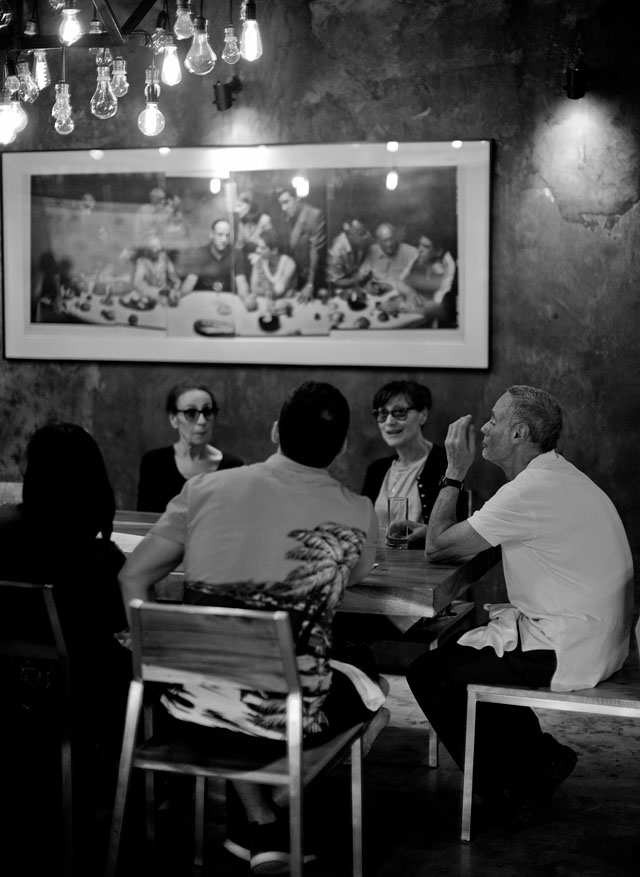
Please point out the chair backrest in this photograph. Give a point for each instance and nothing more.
(29, 621)
(182, 644)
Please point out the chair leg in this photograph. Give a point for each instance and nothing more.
(467, 786)
(296, 823)
(124, 775)
(433, 737)
(198, 840)
(67, 807)
(356, 806)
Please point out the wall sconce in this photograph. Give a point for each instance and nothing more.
(224, 92)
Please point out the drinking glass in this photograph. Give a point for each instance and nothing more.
(398, 522)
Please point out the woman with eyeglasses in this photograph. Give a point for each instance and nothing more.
(192, 409)
(401, 409)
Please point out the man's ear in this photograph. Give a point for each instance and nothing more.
(520, 432)
(275, 433)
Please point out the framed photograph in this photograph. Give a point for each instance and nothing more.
(319, 254)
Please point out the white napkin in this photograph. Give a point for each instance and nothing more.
(501, 632)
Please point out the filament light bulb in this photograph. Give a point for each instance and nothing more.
(61, 109)
(171, 71)
(200, 58)
(231, 51)
(119, 81)
(64, 124)
(183, 27)
(70, 28)
(104, 103)
(250, 42)
(151, 120)
(28, 89)
(7, 118)
(21, 117)
(41, 73)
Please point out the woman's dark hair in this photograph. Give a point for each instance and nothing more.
(66, 485)
(184, 387)
(417, 394)
(270, 238)
(254, 212)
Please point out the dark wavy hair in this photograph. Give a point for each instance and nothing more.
(66, 485)
(417, 394)
(313, 424)
(184, 387)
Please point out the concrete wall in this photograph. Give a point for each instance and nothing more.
(565, 218)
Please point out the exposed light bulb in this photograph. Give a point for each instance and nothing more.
(56, 5)
(21, 117)
(200, 58)
(183, 27)
(95, 29)
(11, 82)
(64, 124)
(159, 36)
(28, 89)
(250, 42)
(41, 73)
(231, 51)
(7, 118)
(104, 103)
(119, 81)
(70, 28)
(151, 120)
(171, 71)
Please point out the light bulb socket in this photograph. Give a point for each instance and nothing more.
(576, 81)
(162, 22)
(199, 22)
(250, 10)
(31, 28)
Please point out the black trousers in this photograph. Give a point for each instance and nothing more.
(510, 745)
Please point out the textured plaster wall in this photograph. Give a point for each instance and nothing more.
(565, 218)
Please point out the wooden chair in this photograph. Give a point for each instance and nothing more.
(176, 644)
(30, 628)
(617, 696)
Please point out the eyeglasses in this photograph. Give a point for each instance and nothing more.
(192, 414)
(381, 414)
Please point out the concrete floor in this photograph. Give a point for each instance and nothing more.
(412, 813)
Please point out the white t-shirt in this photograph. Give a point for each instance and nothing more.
(567, 567)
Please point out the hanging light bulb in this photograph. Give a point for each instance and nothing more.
(28, 89)
(56, 5)
(21, 117)
(231, 51)
(200, 58)
(171, 72)
(159, 36)
(96, 28)
(392, 180)
(183, 28)
(70, 28)
(104, 103)
(7, 118)
(61, 109)
(250, 42)
(11, 81)
(41, 73)
(119, 81)
(151, 120)
(31, 27)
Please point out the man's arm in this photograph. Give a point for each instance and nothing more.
(447, 539)
(152, 559)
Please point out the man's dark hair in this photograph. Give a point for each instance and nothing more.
(313, 424)
(184, 387)
(417, 394)
(288, 189)
(540, 411)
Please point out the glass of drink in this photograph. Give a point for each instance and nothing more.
(398, 527)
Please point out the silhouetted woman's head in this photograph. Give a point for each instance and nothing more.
(66, 486)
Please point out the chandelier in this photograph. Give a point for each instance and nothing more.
(25, 51)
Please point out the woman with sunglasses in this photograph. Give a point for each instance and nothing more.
(401, 409)
(192, 409)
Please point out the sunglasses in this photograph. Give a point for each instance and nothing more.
(381, 414)
(192, 414)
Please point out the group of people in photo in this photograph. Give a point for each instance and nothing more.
(271, 260)
(283, 533)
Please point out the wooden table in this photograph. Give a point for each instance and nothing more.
(403, 582)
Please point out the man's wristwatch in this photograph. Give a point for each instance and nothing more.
(450, 482)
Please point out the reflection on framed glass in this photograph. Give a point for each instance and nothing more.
(324, 254)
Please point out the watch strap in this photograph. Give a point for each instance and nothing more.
(450, 482)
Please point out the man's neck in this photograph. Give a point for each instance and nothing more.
(519, 462)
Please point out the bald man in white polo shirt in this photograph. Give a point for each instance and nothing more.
(569, 578)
